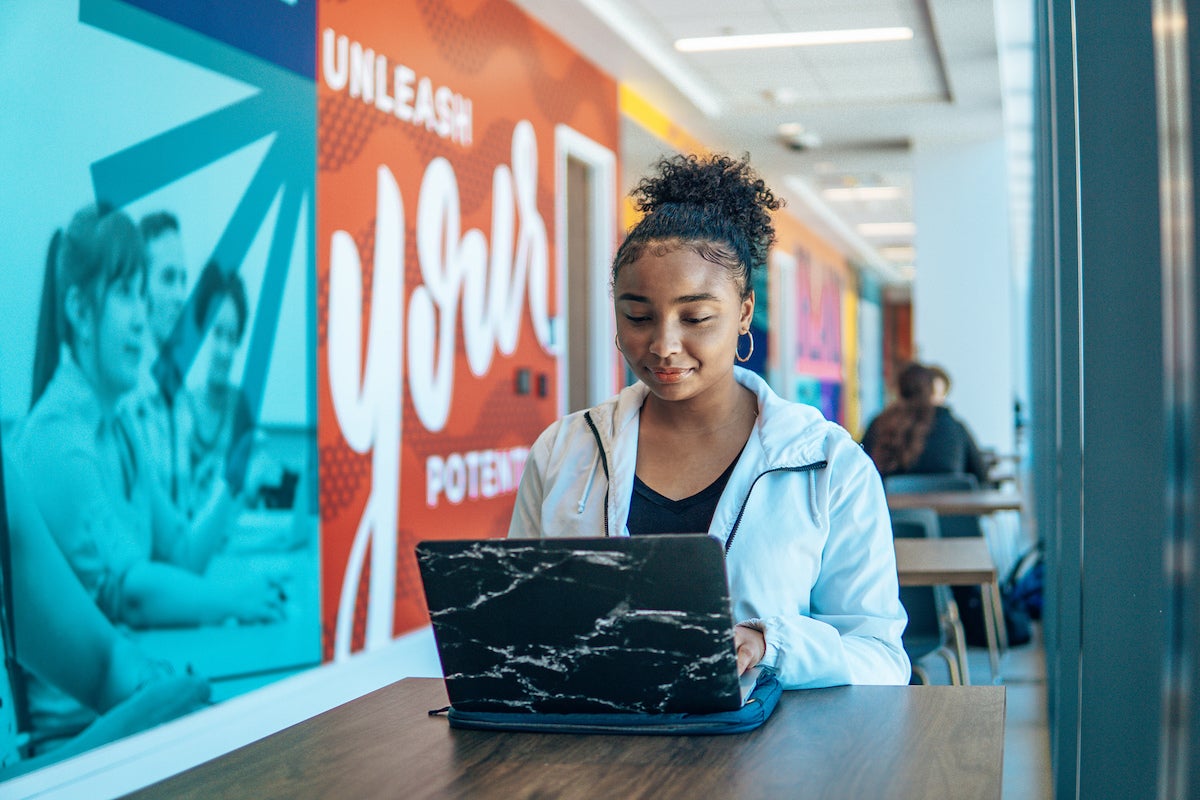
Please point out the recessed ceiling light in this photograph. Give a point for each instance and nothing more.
(899, 252)
(887, 228)
(851, 193)
(783, 96)
(751, 41)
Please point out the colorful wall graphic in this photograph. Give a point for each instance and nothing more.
(348, 212)
(821, 276)
(436, 322)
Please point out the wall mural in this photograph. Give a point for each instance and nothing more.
(818, 334)
(253, 244)
(435, 355)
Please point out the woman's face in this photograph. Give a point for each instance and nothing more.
(678, 322)
(166, 290)
(225, 341)
(119, 336)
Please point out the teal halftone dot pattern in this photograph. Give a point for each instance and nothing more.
(284, 108)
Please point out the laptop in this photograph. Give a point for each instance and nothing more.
(596, 625)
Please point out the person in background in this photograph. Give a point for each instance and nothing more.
(699, 444)
(918, 434)
(941, 384)
(134, 553)
(71, 652)
(152, 417)
(215, 410)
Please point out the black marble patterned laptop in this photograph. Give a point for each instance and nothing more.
(625, 624)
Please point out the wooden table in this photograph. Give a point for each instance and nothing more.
(959, 561)
(847, 741)
(982, 501)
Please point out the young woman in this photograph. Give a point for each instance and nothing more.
(213, 411)
(131, 549)
(917, 434)
(698, 444)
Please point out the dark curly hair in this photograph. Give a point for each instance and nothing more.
(214, 284)
(716, 205)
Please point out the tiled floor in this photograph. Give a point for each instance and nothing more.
(1026, 735)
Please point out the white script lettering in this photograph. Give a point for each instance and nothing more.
(366, 402)
(492, 288)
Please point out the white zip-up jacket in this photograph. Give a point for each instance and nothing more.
(808, 539)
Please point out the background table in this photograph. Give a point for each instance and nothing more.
(847, 741)
(981, 501)
(959, 561)
(240, 657)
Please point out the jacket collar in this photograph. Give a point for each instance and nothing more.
(789, 434)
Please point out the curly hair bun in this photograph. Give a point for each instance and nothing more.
(720, 180)
(716, 198)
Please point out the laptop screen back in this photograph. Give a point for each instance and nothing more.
(599, 625)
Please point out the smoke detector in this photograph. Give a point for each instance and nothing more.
(795, 136)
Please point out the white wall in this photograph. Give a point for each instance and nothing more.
(963, 292)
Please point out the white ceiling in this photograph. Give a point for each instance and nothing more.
(862, 107)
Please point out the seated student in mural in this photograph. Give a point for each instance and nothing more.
(86, 684)
(217, 408)
(917, 433)
(152, 417)
(699, 444)
(130, 547)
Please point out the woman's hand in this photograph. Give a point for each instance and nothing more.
(751, 646)
(257, 599)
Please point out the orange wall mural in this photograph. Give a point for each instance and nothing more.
(436, 284)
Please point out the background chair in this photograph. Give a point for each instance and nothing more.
(915, 523)
(929, 623)
(951, 524)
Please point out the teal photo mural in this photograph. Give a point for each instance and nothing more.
(157, 389)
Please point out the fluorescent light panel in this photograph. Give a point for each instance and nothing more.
(887, 228)
(899, 252)
(852, 193)
(752, 41)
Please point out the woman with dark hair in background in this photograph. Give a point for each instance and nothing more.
(133, 551)
(917, 434)
(699, 444)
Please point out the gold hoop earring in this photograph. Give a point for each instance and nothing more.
(617, 343)
(737, 354)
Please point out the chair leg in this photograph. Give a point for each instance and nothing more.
(951, 660)
(956, 636)
(919, 672)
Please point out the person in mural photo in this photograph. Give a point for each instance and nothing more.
(86, 683)
(216, 410)
(152, 416)
(917, 433)
(699, 444)
(133, 551)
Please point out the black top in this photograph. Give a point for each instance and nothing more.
(650, 512)
(949, 447)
